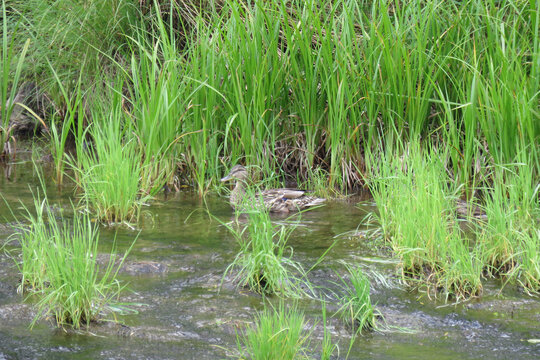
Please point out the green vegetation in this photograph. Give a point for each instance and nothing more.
(153, 92)
(59, 265)
(32, 265)
(417, 205)
(111, 171)
(509, 236)
(312, 96)
(327, 347)
(355, 301)
(7, 90)
(428, 104)
(264, 263)
(276, 334)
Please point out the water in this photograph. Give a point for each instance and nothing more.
(176, 267)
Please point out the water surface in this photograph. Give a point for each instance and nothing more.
(189, 314)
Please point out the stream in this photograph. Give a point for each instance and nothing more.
(186, 310)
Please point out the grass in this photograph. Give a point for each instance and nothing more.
(8, 89)
(277, 334)
(529, 260)
(327, 347)
(264, 262)
(71, 123)
(111, 171)
(355, 301)
(59, 265)
(33, 247)
(418, 213)
(309, 89)
(509, 235)
(300, 97)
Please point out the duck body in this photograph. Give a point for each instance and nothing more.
(275, 200)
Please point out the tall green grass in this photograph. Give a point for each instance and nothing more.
(509, 236)
(76, 40)
(10, 70)
(301, 85)
(111, 169)
(418, 212)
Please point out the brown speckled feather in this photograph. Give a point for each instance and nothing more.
(275, 200)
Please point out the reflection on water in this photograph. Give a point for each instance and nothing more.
(189, 313)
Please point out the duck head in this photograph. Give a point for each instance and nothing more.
(238, 172)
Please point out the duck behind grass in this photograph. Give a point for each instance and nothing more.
(275, 200)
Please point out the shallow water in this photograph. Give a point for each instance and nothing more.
(176, 268)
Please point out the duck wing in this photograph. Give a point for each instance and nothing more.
(282, 193)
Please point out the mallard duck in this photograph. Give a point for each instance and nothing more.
(275, 200)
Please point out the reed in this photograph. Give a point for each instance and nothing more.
(157, 101)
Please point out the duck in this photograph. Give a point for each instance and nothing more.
(274, 200)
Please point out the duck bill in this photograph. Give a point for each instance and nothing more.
(226, 178)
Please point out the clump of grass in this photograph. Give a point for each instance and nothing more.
(59, 264)
(264, 263)
(509, 235)
(111, 169)
(76, 293)
(417, 210)
(32, 266)
(276, 334)
(355, 301)
(529, 269)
